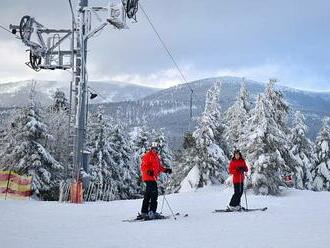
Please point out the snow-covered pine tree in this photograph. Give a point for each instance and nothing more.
(265, 142)
(164, 150)
(206, 162)
(26, 154)
(104, 174)
(303, 150)
(165, 154)
(236, 117)
(57, 120)
(121, 151)
(112, 165)
(210, 142)
(5, 121)
(60, 102)
(141, 141)
(219, 122)
(321, 172)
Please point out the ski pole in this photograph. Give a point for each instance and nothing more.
(164, 198)
(165, 190)
(161, 211)
(170, 208)
(246, 203)
(241, 186)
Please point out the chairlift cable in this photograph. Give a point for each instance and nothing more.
(7, 30)
(165, 46)
(171, 56)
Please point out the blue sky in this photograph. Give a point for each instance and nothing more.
(257, 39)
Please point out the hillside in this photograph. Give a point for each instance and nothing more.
(293, 220)
(17, 93)
(169, 108)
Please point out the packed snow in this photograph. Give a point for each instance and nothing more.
(295, 219)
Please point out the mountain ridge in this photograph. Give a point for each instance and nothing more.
(169, 108)
(16, 93)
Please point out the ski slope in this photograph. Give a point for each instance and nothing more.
(296, 219)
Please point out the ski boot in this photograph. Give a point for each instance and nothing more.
(154, 215)
(234, 208)
(142, 216)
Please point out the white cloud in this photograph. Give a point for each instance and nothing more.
(13, 68)
(170, 77)
(258, 73)
(162, 79)
(289, 46)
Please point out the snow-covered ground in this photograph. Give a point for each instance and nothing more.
(296, 219)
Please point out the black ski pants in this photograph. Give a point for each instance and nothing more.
(238, 192)
(150, 197)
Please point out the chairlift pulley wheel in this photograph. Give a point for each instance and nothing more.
(25, 28)
(132, 8)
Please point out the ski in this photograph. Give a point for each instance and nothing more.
(162, 218)
(255, 209)
(243, 210)
(142, 220)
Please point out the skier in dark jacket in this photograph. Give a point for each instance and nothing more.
(237, 167)
(151, 167)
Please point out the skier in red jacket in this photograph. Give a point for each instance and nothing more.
(237, 167)
(151, 167)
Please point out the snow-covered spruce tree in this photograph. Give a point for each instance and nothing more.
(165, 154)
(102, 166)
(164, 150)
(5, 121)
(57, 120)
(141, 141)
(321, 172)
(219, 122)
(303, 150)
(265, 142)
(236, 117)
(26, 154)
(60, 102)
(112, 166)
(207, 159)
(121, 151)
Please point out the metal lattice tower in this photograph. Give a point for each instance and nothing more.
(50, 55)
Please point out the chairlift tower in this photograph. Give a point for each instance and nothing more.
(49, 54)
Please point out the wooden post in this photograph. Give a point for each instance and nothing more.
(7, 184)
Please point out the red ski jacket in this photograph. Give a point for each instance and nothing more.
(238, 176)
(151, 166)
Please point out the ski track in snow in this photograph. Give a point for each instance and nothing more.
(296, 219)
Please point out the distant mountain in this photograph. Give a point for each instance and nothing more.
(169, 108)
(17, 93)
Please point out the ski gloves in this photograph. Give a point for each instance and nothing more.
(151, 172)
(168, 170)
(241, 169)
